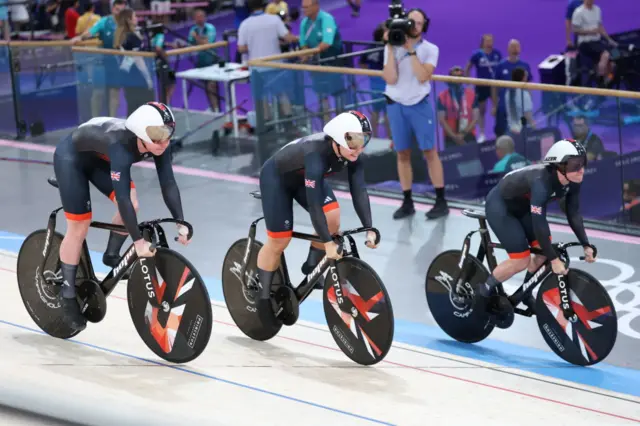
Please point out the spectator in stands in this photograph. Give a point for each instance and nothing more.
(568, 27)
(166, 74)
(88, 19)
(458, 112)
(509, 159)
(504, 71)
(203, 32)
(631, 197)
(485, 60)
(587, 24)
(136, 77)
(407, 71)
(591, 142)
(258, 36)
(375, 61)
(105, 30)
(518, 104)
(71, 17)
(4, 22)
(319, 29)
(55, 13)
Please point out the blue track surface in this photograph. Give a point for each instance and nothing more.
(504, 354)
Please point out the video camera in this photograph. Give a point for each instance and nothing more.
(398, 24)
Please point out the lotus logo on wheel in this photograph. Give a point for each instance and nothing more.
(564, 294)
(336, 285)
(148, 284)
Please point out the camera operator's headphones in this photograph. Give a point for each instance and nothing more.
(425, 27)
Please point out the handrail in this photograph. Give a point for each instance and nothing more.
(115, 52)
(191, 49)
(53, 43)
(450, 79)
(286, 55)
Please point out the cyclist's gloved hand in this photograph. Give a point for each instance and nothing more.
(143, 248)
(588, 255)
(558, 267)
(371, 240)
(183, 233)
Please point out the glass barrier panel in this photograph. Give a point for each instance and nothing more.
(7, 106)
(45, 87)
(593, 121)
(113, 85)
(629, 163)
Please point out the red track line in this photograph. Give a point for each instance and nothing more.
(512, 391)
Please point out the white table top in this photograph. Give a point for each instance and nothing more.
(230, 72)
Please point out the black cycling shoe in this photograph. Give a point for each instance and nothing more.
(502, 311)
(405, 210)
(440, 209)
(72, 315)
(110, 260)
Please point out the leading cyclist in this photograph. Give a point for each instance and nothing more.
(297, 171)
(102, 151)
(516, 210)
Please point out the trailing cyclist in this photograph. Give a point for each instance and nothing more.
(516, 211)
(298, 171)
(102, 151)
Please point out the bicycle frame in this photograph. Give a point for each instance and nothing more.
(305, 287)
(487, 248)
(109, 283)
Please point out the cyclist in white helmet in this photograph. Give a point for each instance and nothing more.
(297, 172)
(102, 151)
(516, 210)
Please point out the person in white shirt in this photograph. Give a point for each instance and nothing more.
(518, 104)
(260, 35)
(407, 71)
(587, 25)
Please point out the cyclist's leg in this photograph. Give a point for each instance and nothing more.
(511, 234)
(277, 207)
(331, 210)
(536, 259)
(100, 176)
(76, 202)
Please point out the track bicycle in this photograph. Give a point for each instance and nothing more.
(168, 301)
(575, 314)
(356, 303)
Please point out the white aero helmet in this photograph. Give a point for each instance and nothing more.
(151, 122)
(351, 129)
(567, 152)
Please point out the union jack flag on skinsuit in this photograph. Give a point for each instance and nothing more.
(115, 176)
(536, 210)
(310, 183)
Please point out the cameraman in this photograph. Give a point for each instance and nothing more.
(407, 71)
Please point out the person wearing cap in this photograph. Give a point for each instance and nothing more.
(297, 172)
(102, 151)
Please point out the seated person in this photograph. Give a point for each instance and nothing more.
(509, 159)
(591, 142)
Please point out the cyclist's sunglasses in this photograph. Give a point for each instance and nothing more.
(576, 164)
(357, 140)
(161, 133)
